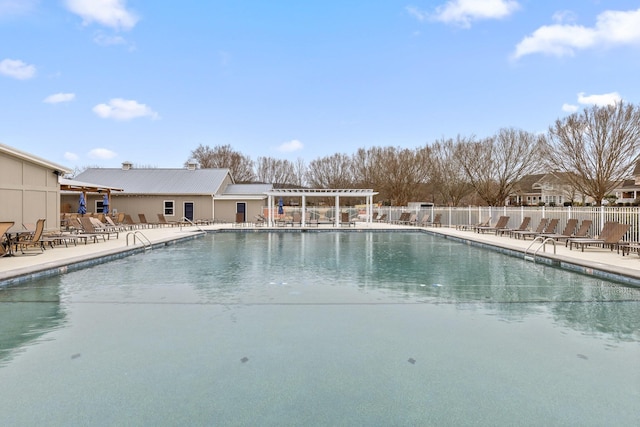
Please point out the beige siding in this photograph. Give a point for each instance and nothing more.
(150, 206)
(226, 209)
(28, 192)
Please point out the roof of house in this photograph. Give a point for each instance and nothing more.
(159, 181)
(246, 189)
(525, 184)
(33, 159)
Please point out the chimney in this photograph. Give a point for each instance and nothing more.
(126, 166)
(192, 165)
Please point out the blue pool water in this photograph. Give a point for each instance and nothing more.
(320, 329)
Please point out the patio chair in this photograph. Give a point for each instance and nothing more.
(523, 234)
(5, 240)
(472, 227)
(572, 223)
(437, 221)
(163, 221)
(611, 238)
(25, 240)
(382, 218)
(524, 226)
(404, 217)
(145, 223)
(87, 229)
(501, 224)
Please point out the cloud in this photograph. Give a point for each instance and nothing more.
(288, 147)
(101, 153)
(109, 13)
(613, 28)
(59, 97)
(463, 12)
(17, 69)
(124, 109)
(600, 100)
(16, 7)
(72, 157)
(417, 13)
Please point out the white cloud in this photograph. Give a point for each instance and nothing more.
(59, 97)
(17, 69)
(612, 28)
(110, 13)
(124, 109)
(463, 12)
(16, 7)
(106, 40)
(288, 147)
(569, 108)
(417, 13)
(101, 153)
(600, 100)
(72, 157)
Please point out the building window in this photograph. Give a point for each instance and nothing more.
(169, 208)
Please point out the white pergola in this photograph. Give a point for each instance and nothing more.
(313, 192)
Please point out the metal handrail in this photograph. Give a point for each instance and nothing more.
(144, 239)
(185, 219)
(543, 245)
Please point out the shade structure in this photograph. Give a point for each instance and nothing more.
(82, 205)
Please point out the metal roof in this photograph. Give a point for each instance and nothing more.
(247, 189)
(34, 159)
(159, 181)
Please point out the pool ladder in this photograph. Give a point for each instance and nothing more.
(185, 219)
(543, 246)
(146, 243)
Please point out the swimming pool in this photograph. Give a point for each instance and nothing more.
(323, 328)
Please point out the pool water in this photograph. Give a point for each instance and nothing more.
(326, 328)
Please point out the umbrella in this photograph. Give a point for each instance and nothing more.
(105, 204)
(82, 205)
(280, 206)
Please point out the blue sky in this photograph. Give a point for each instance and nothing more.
(99, 82)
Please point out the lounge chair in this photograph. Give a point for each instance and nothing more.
(5, 241)
(437, 221)
(144, 222)
(404, 217)
(130, 222)
(311, 219)
(425, 220)
(610, 237)
(163, 221)
(524, 226)
(523, 234)
(472, 227)
(572, 223)
(260, 220)
(87, 229)
(501, 224)
(36, 238)
(382, 218)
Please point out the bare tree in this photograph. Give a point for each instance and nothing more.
(334, 171)
(495, 164)
(300, 172)
(223, 156)
(400, 173)
(276, 171)
(447, 175)
(596, 148)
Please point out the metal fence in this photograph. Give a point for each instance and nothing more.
(451, 217)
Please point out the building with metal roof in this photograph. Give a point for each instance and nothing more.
(195, 194)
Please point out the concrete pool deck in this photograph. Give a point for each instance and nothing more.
(20, 268)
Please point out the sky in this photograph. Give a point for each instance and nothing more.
(99, 82)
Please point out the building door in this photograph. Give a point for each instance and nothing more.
(188, 210)
(241, 212)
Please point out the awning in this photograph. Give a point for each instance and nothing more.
(67, 184)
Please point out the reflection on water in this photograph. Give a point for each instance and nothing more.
(28, 312)
(329, 268)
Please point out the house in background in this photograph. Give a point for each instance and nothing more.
(628, 192)
(192, 193)
(549, 189)
(29, 188)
